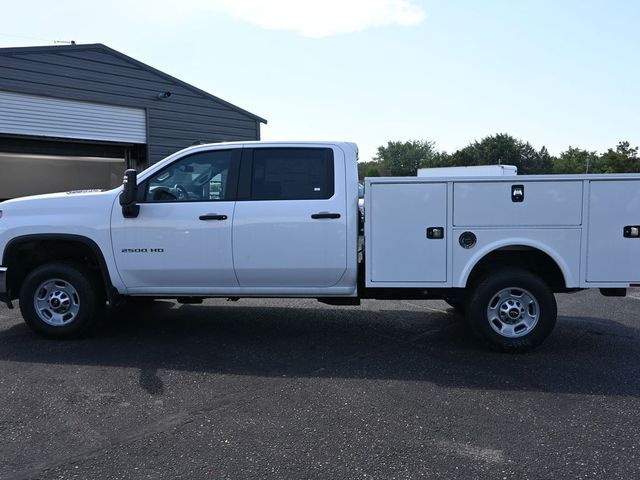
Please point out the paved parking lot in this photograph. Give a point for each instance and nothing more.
(296, 389)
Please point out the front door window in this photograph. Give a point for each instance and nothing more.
(200, 177)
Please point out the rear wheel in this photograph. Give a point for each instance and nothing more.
(60, 299)
(512, 310)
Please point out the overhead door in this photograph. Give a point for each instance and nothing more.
(39, 116)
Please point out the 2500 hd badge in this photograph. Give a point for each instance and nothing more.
(143, 250)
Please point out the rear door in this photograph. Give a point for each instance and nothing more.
(290, 225)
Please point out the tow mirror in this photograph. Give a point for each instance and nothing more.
(129, 194)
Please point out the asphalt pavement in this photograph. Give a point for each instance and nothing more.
(296, 389)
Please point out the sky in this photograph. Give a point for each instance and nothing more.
(556, 73)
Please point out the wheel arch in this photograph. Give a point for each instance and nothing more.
(522, 253)
(24, 253)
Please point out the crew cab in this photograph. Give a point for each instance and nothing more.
(266, 219)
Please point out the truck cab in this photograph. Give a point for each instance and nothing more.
(258, 219)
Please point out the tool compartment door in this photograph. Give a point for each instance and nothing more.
(491, 204)
(399, 248)
(611, 257)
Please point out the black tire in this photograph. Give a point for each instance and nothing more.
(71, 284)
(497, 298)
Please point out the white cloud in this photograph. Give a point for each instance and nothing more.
(88, 21)
(321, 18)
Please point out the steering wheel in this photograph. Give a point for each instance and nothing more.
(181, 191)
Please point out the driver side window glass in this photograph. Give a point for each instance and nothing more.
(201, 177)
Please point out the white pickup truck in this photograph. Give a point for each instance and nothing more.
(282, 220)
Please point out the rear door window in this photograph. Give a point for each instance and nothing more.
(292, 174)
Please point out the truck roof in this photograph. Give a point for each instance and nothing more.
(279, 142)
(347, 146)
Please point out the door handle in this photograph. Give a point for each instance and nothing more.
(212, 216)
(316, 216)
(631, 231)
(435, 233)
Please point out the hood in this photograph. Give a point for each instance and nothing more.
(76, 198)
(59, 195)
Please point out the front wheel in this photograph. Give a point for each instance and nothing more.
(60, 299)
(512, 310)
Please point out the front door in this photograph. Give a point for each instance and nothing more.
(182, 237)
(290, 225)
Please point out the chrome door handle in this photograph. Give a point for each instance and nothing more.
(435, 233)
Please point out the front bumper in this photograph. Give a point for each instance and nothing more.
(4, 287)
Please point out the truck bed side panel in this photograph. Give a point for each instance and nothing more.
(562, 245)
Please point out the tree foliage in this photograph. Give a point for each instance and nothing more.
(369, 169)
(503, 149)
(577, 160)
(404, 158)
(623, 159)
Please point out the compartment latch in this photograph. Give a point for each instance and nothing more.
(517, 193)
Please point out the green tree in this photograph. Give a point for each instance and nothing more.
(437, 160)
(624, 159)
(373, 172)
(369, 169)
(505, 150)
(404, 158)
(577, 160)
(364, 167)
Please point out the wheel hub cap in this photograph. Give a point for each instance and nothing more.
(59, 301)
(56, 302)
(513, 312)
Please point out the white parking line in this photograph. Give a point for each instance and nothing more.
(404, 302)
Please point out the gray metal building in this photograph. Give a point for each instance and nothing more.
(73, 116)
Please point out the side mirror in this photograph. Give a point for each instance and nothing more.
(129, 194)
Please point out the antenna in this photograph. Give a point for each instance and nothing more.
(70, 42)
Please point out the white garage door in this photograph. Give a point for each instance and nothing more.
(52, 117)
(22, 175)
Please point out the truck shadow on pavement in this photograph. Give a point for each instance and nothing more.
(583, 355)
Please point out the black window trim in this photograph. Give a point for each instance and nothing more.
(246, 174)
(232, 178)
